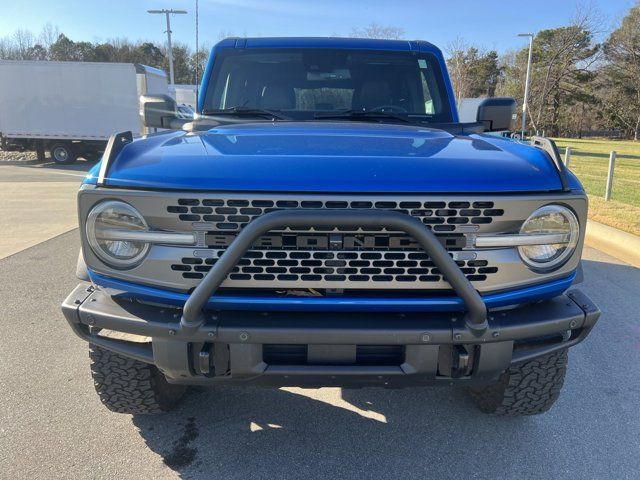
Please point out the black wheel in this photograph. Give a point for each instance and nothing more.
(129, 386)
(529, 388)
(62, 153)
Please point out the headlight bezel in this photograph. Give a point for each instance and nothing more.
(570, 246)
(94, 243)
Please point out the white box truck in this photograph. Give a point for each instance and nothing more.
(468, 109)
(72, 108)
(185, 96)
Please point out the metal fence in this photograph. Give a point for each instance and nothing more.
(612, 166)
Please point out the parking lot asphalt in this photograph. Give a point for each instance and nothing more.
(38, 202)
(52, 424)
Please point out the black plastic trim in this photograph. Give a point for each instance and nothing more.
(114, 146)
(551, 148)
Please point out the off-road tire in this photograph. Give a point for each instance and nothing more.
(529, 388)
(129, 386)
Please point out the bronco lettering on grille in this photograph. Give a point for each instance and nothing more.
(336, 241)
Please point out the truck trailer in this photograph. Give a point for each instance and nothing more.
(72, 108)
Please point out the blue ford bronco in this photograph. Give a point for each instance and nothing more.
(326, 220)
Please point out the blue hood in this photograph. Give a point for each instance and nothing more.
(331, 157)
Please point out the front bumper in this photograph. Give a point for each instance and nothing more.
(328, 347)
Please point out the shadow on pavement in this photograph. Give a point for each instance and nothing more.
(276, 433)
(611, 269)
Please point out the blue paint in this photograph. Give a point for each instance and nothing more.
(344, 303)
(336, 157)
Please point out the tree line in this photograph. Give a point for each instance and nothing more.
(51, 44)
(578, 86)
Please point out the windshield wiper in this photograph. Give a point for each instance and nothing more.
(363, 115)
(247, 112)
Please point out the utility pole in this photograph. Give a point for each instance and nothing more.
(197, 56)
(168, 13)
(525, 103)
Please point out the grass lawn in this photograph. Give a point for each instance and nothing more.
(590, 163)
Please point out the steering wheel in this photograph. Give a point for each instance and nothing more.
(389, 108)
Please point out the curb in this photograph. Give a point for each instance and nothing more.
(621, 245)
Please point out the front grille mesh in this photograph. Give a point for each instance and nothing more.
(233, 214)
(325, 267)
(329, 257)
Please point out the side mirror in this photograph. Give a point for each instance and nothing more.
(497, 113)
(158, 111)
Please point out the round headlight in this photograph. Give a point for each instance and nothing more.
(554, 220)
(112, 219)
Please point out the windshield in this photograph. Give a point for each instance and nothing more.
(308, 82)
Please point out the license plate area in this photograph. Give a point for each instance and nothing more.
(311, 354)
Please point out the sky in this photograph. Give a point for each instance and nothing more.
(491, 24)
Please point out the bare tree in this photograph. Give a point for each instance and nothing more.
(567, 54)
(222, 34)
(458, 71)
(23, 41)
(620, 92)
(373, 30)
(474, 72)
(6, 49)
(48, 35)
(564, 67)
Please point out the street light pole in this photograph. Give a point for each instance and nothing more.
(167, 13)
(525, 103)
(197, 54)
(169, 49)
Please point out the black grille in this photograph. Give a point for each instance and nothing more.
(326, 266)
(228, 215)
(326, 256)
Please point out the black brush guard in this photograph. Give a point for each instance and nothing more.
(475, 318)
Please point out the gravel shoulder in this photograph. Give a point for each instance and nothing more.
(18, 157)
